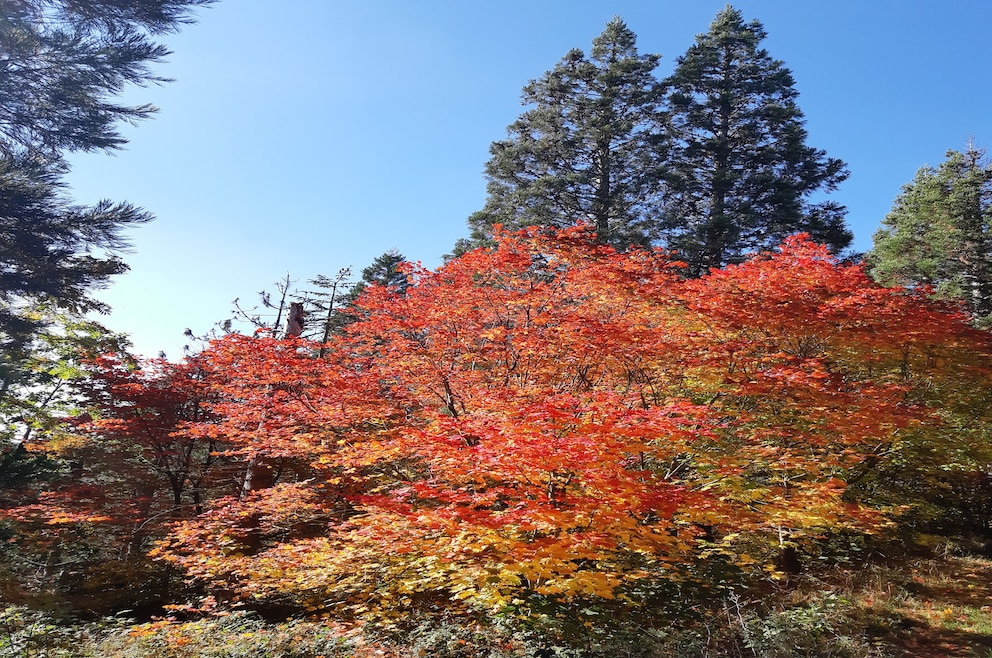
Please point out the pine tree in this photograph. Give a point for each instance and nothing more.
(740, 171)
(590, 149)
(47, 246)
(939, 233)
(334, 301)
(384, 270)
(64, 63)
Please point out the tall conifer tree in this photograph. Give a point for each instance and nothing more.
(740, 172)
(589, 149)
(64, 64)
(939, 233)
(66, 61)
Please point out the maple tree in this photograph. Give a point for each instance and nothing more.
(548, 419)
(120, 469)
(552, 418)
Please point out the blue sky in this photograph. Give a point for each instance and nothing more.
(309, 135)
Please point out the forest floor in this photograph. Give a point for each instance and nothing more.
(937, 606)
(942, 607)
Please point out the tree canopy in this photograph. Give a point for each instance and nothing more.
(64, 64)
(553, 418)
(590, 149)
(740, 171)
(66, 61)
(711, 162)
(939, 233)
(647, 383)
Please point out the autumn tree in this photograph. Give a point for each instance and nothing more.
(589, 149)
(145, 410)
(122, 466)
(939, 233)
(739, 170)
(39, 392)
(40, 395)
(553, 420)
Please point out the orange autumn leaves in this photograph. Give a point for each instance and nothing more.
(553, 417)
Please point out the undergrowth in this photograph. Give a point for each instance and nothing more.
(939, 605)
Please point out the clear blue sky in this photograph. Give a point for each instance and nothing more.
(309, 135)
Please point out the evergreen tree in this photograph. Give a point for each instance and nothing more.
(335, 301)
(64, 62)
(384, 270)
(939, 233)
(47, 250)
(740, 171)
(590, 149)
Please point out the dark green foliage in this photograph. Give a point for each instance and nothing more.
(590, 149)
(712, 162)
(62, 65)
(19, 467)
(740, 171)
(383, 271)
(64, 61)
(50, 249)
(939, 233)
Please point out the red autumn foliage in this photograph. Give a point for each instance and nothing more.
(553, 417)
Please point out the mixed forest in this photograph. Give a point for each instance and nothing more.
(651, 405)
